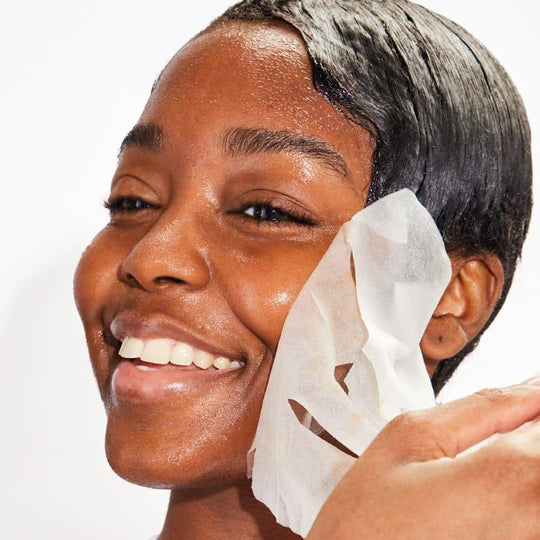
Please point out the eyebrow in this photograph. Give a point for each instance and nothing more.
(149, 136)
(248, 141)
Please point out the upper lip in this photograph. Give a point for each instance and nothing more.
(156, 325)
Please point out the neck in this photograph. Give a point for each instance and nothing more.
(230, 512)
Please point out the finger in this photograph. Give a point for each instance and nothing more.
(449, 429)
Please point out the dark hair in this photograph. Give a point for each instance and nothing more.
(448, 121)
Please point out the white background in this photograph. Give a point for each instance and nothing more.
(75, 76)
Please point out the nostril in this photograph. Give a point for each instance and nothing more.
(131, 280)
(127, 277)
(165, 280)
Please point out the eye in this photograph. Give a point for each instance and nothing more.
(274, 214)
(124, 205)
(266, 212)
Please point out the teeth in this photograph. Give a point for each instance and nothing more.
(182, 354)
(131, 348)
(222, 363)
(156, 351)
(161, 351)
(203, 359)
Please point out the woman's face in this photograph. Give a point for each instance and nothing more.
(228, 192)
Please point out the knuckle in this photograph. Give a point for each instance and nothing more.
(492, 396)
(397, 435)
(419, 437)
(409, 425)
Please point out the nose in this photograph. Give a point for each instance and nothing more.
(171, 252)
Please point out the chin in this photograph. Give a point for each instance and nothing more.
(172, 460)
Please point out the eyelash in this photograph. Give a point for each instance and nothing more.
(125, 205)
(289, 214)
(264, 211)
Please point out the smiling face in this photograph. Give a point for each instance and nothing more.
(227, 194)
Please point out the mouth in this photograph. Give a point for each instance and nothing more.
(153, 368)
(153, 353)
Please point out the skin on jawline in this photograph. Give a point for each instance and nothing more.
(243, 174)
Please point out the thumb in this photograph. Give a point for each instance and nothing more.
(449, 429)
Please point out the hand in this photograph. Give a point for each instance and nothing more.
(412, 483)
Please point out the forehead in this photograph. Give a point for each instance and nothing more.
(238, 65)
(256, 75)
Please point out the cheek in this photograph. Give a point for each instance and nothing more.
(95, 272)
(268, 287)
(93, 282)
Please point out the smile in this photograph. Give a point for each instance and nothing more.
(162, 351)
(152, 368)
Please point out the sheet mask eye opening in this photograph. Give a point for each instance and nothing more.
(307, 421)
(353, 269)
(340, 374)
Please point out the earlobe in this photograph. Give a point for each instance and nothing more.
(464, 308)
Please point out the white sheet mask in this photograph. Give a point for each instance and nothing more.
(401, 271)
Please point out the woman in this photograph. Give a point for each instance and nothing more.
(262, 136)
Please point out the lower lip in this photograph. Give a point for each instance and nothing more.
(159, 382)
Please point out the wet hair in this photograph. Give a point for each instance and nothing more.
(448, 122)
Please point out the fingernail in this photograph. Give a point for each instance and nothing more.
(534, 381)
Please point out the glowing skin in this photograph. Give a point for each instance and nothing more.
(201, 259)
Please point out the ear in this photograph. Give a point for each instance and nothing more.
(465, 307)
